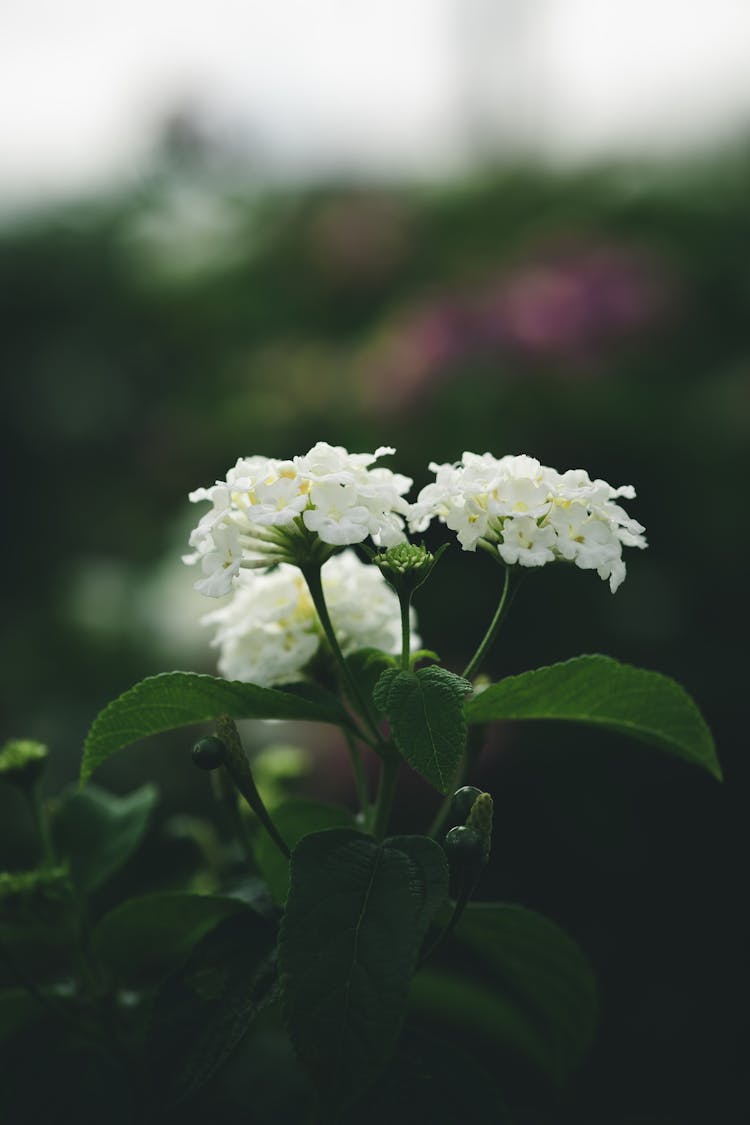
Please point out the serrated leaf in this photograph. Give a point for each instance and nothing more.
(355, 918)
(600, 691)
(431, 886)
(204, 1010)
(530, 988)
(143, 938)
(426, 713)
(294, 819)
(179, 699)
(97, 832)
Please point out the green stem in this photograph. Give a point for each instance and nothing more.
(359, 773)
(405, 600)
(312, 577)
(503, 606)
(386, 793)
(238, 768)
(226, 793)
(462, 901)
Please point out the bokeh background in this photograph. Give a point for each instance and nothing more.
(505, 225)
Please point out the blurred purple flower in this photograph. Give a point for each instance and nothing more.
(570, 306)
(566, 306)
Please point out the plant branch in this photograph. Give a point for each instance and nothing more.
(359, 774)
(504, 604)
(386, 794)
(311, 574)
(238, 768)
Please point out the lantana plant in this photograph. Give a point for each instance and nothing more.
(346, 922)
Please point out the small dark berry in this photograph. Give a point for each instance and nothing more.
(209, 753)
(463, 800)
(463, 847)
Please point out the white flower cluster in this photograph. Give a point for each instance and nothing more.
(530, 513)
(338, 496)
(269, 631)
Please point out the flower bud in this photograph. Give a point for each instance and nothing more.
(480, 820)
(406, 566)
(209, 753)
(22, 762)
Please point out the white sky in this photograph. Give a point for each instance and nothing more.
(411, 86)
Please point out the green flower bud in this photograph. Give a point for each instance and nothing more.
(209, 753)
(464, 848)
(406, 566)
(22, 762)
(480, 819)
(462, 803)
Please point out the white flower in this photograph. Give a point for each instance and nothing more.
(531, 514)
(339, 496)
(269, 632)
(220, 560)
(525, 542)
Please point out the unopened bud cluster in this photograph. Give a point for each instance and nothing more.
(22, 761)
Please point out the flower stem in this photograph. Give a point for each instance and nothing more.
(504, 604)
(464, 895)
(359, 774)
(386, 793)
(238, 768)
(311, 575)
(226, 794)
(405, 600)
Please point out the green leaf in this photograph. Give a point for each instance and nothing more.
(143, 938)
(602, 692)
(202, 1011)
(355, 918)
(97, 832)
(531, 988)
(178, 699)
(431, 888)
(425, 710)
(294, 819)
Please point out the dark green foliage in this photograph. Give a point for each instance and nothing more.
(366, 666)
(203, 1010)
(602, 692)
(178, 699)
(425, 710)
(432, 1080)
(295, 818)
(530, 988)
(97, 832)
(355, 918)
(144, 938)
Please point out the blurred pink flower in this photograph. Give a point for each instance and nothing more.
(566, 306)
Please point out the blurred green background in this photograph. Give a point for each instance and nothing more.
(593, 319)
